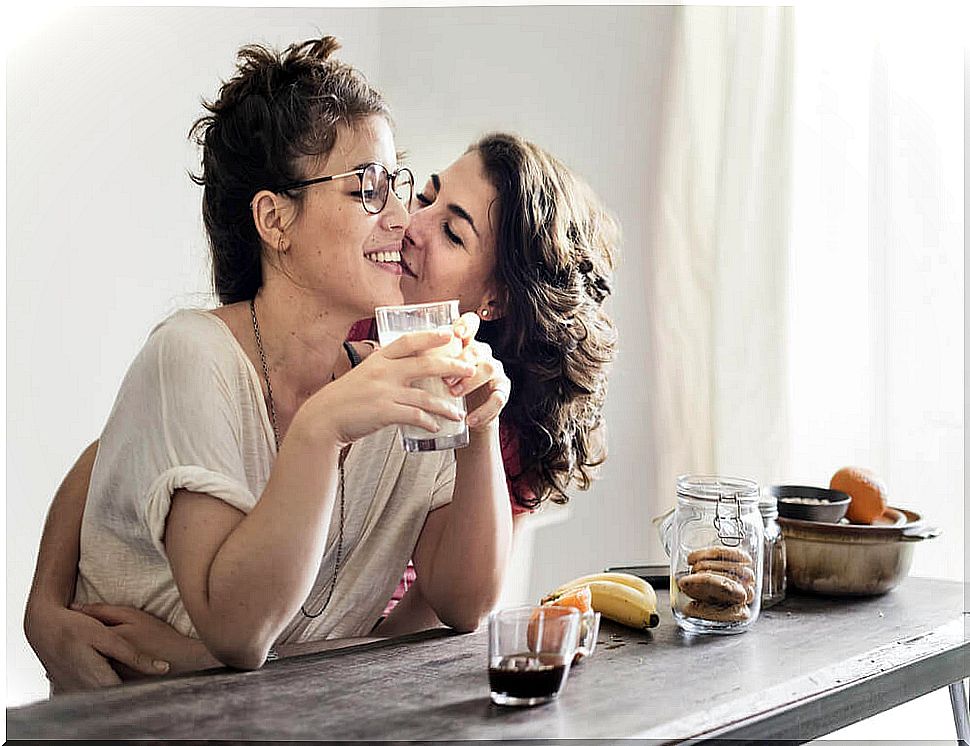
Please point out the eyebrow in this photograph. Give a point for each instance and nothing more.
(457, 210)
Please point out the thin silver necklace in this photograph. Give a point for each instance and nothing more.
(340, 463)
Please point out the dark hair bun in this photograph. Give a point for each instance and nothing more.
(278, 109)
(322, 48)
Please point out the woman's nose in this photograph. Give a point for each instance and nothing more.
(395, 213)
(414, 235)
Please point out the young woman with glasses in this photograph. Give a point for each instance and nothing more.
(245, 494)
(523, 244)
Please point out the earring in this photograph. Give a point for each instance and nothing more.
(281, 248)
(483, 313)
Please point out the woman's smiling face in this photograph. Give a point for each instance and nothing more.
(449, 246)
(340, 250)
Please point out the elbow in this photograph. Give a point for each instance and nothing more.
(462, 625)
(245, 652)
(466, 613)
(241, 657)
(33, 623)
(235, 638)
(464, 620)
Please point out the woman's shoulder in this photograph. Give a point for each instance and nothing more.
(195, 335)
(192, 324)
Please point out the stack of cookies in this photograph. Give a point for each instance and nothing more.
(721, 584)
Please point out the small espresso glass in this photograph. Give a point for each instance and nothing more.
(395, 321)
(530, 651)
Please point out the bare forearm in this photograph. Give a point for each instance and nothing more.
(185, 656)
(465, 577)
(57, 557)
(265, 568)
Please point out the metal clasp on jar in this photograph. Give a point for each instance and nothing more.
(727, 538)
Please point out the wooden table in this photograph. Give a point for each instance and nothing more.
(808, 666)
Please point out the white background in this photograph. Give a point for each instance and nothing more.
(104, 238)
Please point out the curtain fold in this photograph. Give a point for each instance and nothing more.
(717, 275)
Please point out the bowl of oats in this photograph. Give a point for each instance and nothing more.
(810, 503)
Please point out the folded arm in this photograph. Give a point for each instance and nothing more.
(73, 647)
(242, 578)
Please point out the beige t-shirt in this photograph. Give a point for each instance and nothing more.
(190, 415)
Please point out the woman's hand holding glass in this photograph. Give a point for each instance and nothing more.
(378, 392)
(488, 390)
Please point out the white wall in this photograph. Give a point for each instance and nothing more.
(104, 235)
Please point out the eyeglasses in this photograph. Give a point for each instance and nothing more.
(374, 183)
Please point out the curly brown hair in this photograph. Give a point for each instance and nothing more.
(556, 251)
(276, 109)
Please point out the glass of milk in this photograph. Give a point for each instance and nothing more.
(392, 322)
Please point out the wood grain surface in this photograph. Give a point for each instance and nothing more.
(808, 666)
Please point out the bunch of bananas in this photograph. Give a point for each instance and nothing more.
(619, 596)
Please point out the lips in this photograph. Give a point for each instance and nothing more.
(386, 258)
(389, 253)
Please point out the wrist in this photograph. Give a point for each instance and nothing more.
(312, 433)
(483, 436)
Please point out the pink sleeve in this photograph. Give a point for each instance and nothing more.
(362, 330)
(518, 485)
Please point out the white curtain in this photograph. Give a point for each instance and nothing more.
(877, 354)
(718, 264)
(805, 280)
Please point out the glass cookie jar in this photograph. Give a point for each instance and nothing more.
(716, 554)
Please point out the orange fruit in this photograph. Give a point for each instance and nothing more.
(868, 493)
(549, 618)
(581, 598)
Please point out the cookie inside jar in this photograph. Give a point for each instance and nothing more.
(715, 554)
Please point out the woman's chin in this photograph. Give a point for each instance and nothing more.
(387, 296)
(413, 291)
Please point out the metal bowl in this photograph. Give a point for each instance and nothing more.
(830, 510)
(843, 559)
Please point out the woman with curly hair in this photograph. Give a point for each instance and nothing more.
(512, 233)
(525, 245)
